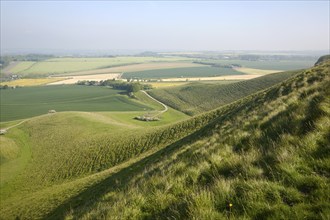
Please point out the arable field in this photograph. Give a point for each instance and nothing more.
(68, 65)
(268, 64)
(75, 79)
(213, 78)
(32, 82)
(135, 67)
(32, 101)
(205, 71)
(256, 71)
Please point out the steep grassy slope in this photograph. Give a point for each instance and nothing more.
(196, 98)
(245, 153)
(268, 158)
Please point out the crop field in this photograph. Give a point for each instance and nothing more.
(213, 78)
(32, 101)
(21, 66)
(256, 71)
(165, 84)
(136, 67)
(268, 65)
(205, 71)
(77, 78)
(32, 82)
(67, 65)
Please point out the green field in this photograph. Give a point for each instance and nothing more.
(32, 101)
(58, 66)
(67, 65)
(80, 165)
(196, 98)
(268, 64)
(206, 71)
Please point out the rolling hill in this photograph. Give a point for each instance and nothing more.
(242, 160)
(196, 98)
(249, 163)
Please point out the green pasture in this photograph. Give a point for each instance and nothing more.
(32, 101)
(206, 71)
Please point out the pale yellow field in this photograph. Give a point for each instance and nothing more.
(21, 66)
(165, 84)
(231, 77)
(31, 82)
(75, 79)
(256, 71)
(136, 67)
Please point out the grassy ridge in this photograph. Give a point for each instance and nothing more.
(27, 102)
(196, 98)
(182, 72)
(197, 176)
(251, 158)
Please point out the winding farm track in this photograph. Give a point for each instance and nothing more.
(165, 107)
(15, 125)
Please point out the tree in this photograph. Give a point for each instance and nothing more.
(134, 87)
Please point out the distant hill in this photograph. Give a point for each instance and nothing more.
(196, 98)
(322, 59)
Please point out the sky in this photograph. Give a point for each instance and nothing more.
(165, 25)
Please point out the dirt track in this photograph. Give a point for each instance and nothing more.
(165, 107)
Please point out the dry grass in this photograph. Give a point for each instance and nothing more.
(31, 82)
(75, 79)
(256, 71)
(232, 77)
(165, 84)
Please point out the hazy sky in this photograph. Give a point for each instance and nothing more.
(170, 25)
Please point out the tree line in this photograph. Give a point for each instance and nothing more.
(130, 87)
